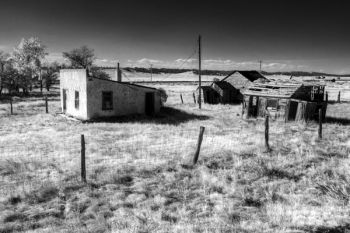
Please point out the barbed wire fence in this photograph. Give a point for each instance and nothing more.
(27, 167)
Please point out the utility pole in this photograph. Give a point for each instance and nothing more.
(199, 73)
(119, 73)
(260, 64)
(151, 72)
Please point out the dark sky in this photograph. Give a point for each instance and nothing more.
(286, 35)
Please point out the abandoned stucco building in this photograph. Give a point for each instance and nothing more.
(286, 101)
(86, 97)
(228, 90)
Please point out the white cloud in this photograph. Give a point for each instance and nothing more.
(102, 60)
(105, 62)
(55, 56)
(228, 64)
(216, 64)
(148, 61)
(181, 60)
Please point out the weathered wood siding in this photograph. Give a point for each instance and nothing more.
(283, 109)
(309, 93)
(208, 96)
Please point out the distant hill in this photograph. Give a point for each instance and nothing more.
(303, 73)
(225, 72)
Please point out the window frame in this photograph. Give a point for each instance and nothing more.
(274, 106)
(76, 99)
(104, 106)
(64, 98)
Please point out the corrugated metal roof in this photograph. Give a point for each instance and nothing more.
(251, 75)
(223, 85)
(280, 90)
(205, 87)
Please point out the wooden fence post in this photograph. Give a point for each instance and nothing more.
(11, 105)
(326, 97)
(267, 146)
(182, 101)
(83, 167)
(242, 109)
(194, 97)
(320, 116)
(339, 97)
(199, 143)
(46, 105)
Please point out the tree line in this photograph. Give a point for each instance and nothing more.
(25, 68)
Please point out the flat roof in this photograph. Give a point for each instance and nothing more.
(109, 80)
(125, 83)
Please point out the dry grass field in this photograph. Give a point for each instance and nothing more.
(139, 178)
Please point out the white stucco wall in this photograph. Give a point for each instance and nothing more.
(74, 80)
(127, 99)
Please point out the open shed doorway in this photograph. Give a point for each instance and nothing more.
(149, 104)
(293, 108)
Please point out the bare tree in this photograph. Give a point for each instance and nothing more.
(82, 57)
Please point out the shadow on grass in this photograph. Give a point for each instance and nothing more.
(324, 229)
(331, 102)
(167, 115)
(280, 174)
(341, 121)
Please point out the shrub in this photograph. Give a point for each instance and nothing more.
(163, 95)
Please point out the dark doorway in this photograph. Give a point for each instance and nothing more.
(293, 107)
(253, 106)
(149, 101)
(64, 95)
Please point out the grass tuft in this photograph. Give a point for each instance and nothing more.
(44, 194)
(15, 217)
(13, 200)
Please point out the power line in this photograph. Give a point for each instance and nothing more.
(179, 67)
(125, 76)
(167, 76)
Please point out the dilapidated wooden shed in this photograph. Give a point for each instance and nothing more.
(240, 79)
(209, 95)
(220, 92)
(226, 93)
(287, 101)
(228, 90)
